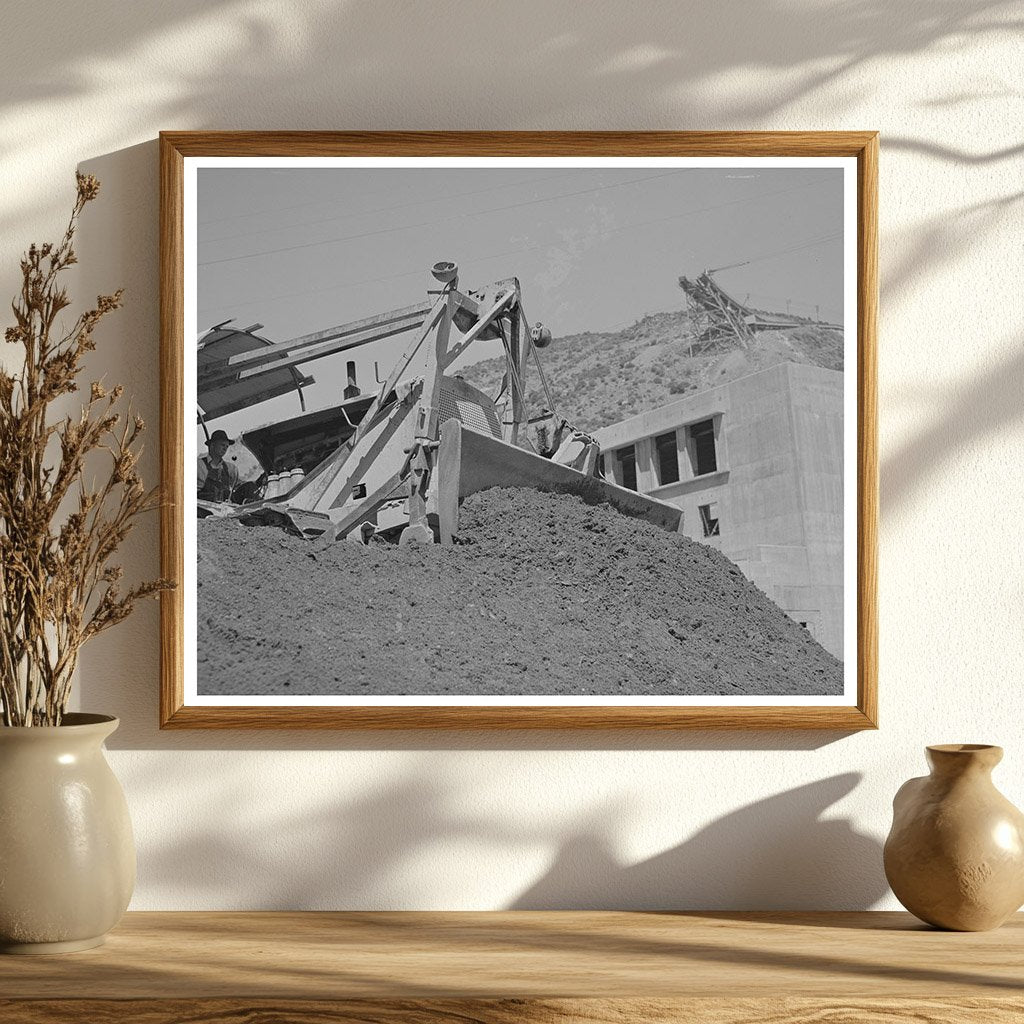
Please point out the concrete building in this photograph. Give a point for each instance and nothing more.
(756, 465)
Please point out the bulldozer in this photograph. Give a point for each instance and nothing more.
(412, 451)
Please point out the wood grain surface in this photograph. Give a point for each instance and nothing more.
(301, 143)
(527, 954)
(176, 146)
(524, 966)
(867, 431)
(172, 429)
(515, 1011)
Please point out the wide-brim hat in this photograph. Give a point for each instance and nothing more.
(219, 435)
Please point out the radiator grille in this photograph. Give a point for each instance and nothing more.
(471, 407)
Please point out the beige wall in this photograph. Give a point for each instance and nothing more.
(630, 820)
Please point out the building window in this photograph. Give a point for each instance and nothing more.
(702, 442)
(668, 458)
(626, 459)
(709, 519)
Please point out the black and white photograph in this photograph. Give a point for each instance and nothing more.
(520, 431)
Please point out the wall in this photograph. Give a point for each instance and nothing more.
(541, 820)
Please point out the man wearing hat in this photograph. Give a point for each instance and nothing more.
(217, 478)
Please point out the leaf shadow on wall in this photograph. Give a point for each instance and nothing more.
(966, 416)
(965, 413)
(777, 853)
(939, 243)
(230, 63)
(404, 843)
(351, 852)
(314, 66)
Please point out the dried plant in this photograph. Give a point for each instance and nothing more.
(58, 587)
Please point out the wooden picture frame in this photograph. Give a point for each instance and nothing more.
(858, 710)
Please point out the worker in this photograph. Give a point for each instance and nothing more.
(217, 478)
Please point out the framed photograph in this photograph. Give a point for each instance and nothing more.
(519, 430)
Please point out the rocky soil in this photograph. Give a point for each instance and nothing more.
(543, 595)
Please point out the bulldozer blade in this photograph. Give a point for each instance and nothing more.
(469, 461)
(218, 509)
(295, 521)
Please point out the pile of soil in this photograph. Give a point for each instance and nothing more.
(543, 594)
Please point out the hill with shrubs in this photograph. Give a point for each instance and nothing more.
(602, 378)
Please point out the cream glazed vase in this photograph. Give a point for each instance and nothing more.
(955, 855)
(67, 855)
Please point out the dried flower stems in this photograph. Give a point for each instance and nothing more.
(58, 534)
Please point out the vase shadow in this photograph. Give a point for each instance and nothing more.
(779, 853)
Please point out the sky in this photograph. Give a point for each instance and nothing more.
(299, 250)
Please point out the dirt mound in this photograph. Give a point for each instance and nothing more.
(543, 595)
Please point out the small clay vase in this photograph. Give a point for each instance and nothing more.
(955, 854)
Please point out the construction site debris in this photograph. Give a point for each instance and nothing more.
(716, 315)
(543, 595)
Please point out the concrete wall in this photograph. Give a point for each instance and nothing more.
(700, 819)
(816, 398)
(778, 485)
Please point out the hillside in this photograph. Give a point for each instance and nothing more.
(597, 379)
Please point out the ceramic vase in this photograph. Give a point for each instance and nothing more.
(955, 855)
(67, 855)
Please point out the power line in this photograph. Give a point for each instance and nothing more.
(379, 209)
(717, 206)
(419, 271)
(782, 252)
(512, 252)
(428, 223)
(795, 302)
(278, 209)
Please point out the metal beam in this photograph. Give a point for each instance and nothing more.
(356, 332)
(483, 322)
(222, 375)
(244, 401)
(332, 340)
(436, 312)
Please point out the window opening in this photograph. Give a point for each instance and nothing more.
(668, 458)
(702, 436)
(709, 519)
(626, 458)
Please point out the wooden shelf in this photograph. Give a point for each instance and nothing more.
(500, 968)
